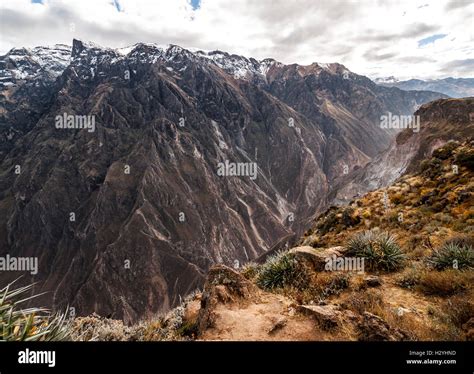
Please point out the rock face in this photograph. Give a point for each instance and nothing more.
(440, 121)
(27, 79)
(127, 215)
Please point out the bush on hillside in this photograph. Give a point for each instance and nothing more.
(379, 248)
(282, 270)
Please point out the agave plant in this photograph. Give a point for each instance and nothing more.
(29, 324)
(453, 254)
(379, 248)
(281, 270)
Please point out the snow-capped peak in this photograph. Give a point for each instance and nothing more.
(236, 65)
(88, 59)
(21, 64)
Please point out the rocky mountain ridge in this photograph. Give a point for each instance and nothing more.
(128, 218)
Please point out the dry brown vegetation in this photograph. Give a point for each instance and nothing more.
(431, 214)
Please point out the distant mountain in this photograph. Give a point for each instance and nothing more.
(453, 87)
(127, 216)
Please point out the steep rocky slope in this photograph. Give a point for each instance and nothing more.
(425, 294)
(440, 121)
(129, 216)
(27, 79)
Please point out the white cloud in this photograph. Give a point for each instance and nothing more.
(371, 37)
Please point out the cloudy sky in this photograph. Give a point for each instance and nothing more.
(406, 39)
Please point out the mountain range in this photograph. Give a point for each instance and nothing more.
(453, 87)
(127, 218)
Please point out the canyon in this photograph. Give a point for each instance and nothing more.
(144, 188)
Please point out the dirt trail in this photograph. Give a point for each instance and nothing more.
(272, 318)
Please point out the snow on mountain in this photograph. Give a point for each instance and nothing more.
(54, 59)
(21, 64)
(239, 67)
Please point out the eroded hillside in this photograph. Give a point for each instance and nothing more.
(416, 239)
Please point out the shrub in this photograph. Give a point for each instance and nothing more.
(249, 270)
(461, 240)
(366, 214)
(459, 308)
(438, 206)
(328, 223)
(455, 253)
(380, 250)
(431, 168)
(282, 270)
(409, 279)
(364, 301)
(188, 329)
(338, 283)
(442, 217)
(466, 158)
(96, 328)
(29, 324)
(397, 198)
(444, 152)
(348, 218)
(320, 285)
(445, 283)
(428, 197)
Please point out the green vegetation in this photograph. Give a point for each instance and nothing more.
(379, 249)
(282, 270)
(28, 324)
(466, 158)
(456, 253)
(249, 270)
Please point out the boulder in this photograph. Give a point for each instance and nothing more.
(372, 281)
(327, 316)
(316, 257)
(277, 324)
(375, 328)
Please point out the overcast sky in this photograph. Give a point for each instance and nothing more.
(407, 39)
